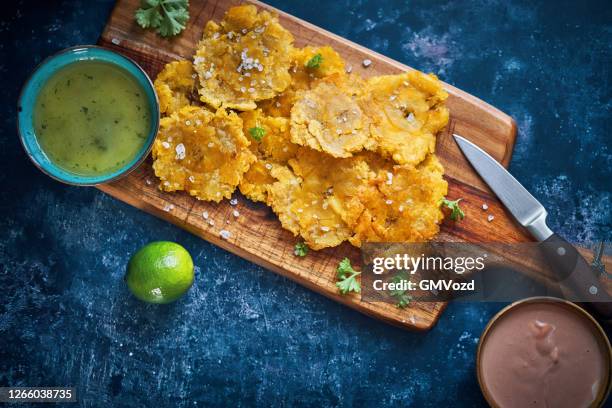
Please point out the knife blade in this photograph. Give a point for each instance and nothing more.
(573, 271)
(522, 205)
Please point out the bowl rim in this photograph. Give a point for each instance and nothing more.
(155, 117)
(602, 395)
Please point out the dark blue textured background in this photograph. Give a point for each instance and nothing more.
(244, 336)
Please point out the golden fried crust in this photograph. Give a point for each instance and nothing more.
(406, 207)
(256, 182)
(318, 197)
(175, 85)
(302, 77)
(202, 153)
(244, 59)
(273, 149)
(407, 112)
(329, 118)
(276, 144)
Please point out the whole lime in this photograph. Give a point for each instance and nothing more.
(160, 272)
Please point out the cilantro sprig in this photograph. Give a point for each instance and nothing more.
(257, 133)
(300, 249)
(402, 298)
(167, 17)
(315, 61)
(456, 211)
(347, 277)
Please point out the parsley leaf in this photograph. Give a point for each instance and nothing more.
(257, 133)
(315, 61)
(346, 275)
(456, 212)
(402, 298)
(301, 249)
(167, 17)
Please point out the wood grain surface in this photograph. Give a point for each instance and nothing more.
(256, 234)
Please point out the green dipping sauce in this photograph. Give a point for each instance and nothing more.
(91, 118)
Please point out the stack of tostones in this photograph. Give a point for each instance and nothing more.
(337, 157)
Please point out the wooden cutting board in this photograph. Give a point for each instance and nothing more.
(256, 234)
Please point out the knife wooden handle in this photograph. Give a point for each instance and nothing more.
(576, 275)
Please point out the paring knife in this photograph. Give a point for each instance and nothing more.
(571, 268)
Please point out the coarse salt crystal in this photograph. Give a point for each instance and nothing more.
(324, 228)
(180, 151)
(366, 62)
(268, 166)
(389, 178)
(389, 202)
(233, 201)
(211, 222)
(168, 207)
(401, 208)
(148, 181)
(188, 122)
(410, 117)
(349, 69)
(235, 213)
(191, 178)
(485, 206)
(225, 234)
(490, 218)
(166, 145)
(205, 215)
(116, 41)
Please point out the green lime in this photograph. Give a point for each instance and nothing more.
(160, 272)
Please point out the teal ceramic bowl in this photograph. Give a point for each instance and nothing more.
(38, 79)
